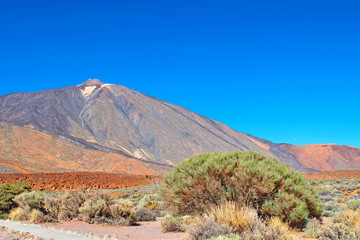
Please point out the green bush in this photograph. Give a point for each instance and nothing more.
(354, 204)
(122, 209)
(173, 224)
(65, 206)
(226, 237)
(249, 178)
(32, 200)
(7, 194)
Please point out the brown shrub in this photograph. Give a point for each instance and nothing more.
(313, 228)
(339, 231)
(172, 224)
(277, 229)
(65, 206)
(19, 214)
(36, 216)
(205, 228)
(350, 218)
(123, 209)
(32, 200)
(145, 214)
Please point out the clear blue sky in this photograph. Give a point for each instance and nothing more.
(288, 71)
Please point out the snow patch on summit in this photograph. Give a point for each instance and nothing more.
(88, 90)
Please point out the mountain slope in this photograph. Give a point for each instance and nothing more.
(113, 118)
(25, 150)
(326, 157)
(126, 127)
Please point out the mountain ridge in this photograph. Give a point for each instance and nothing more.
(111, 118)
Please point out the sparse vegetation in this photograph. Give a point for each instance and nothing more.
(205, 228)
(231, 216)
(19, 214)
(145, 214)
(172, 224)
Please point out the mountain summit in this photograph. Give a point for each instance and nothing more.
(112, 118)
(91, 82)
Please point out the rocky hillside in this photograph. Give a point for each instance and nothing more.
(26, 150)
(325, 157)
(112, 119)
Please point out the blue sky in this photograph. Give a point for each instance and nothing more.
(288, 71)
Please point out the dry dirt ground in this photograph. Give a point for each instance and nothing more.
(143, 231)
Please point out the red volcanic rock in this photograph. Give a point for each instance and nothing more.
(326, 157)
(77, 180)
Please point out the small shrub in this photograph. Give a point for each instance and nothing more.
(277, 229)
(36, 216)
(145, 214)
(150, 197)
(19, 214)
(326, 198)
(324, 193)
(353, 204)
(226, 237)
(205, 228)
(172, 224)
(330, 207)
(313, 228)
(249, 178)
(338, 231)
(350, 218)
(86, 205)
(151, 205)
(123, 209)
(65, 206)
(7, 194)
(328, 214)
(164, 213)
(93, 209)
(32, 200)
(231, 214)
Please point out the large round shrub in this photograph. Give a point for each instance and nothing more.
(248, 178)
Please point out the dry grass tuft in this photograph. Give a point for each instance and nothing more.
(350, 218)
(36, 216)
(19, 214)
(229, 213)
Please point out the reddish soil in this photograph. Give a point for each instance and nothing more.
(333, 174)
(77, 180)
(144, 231)
(26, 150)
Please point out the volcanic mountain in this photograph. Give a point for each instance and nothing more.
(117, 127)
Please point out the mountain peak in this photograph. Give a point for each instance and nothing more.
(91, 82)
